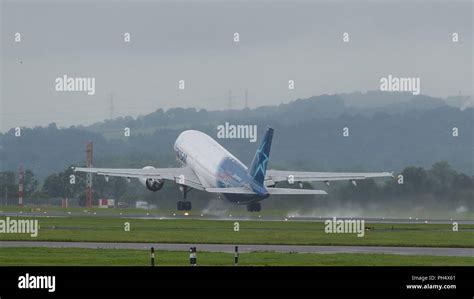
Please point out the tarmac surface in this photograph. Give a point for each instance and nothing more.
(433, 251)
(410, 220)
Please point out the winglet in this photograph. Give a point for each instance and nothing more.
(259, 164)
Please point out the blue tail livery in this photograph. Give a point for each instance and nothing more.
(260, 160)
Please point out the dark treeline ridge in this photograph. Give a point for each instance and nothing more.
(308, 136)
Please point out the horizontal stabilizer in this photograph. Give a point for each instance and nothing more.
(243, 190)
(231, 190)
(294, 191)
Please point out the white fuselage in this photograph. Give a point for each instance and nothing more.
(205, 156)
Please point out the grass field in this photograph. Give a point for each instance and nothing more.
(121, 257)
(108, 229)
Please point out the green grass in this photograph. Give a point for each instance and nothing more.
(124, 257)
(107, 229)
(56, 210)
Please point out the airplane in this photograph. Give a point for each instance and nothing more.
(209, 167)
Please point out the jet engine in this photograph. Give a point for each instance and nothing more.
(152, 184)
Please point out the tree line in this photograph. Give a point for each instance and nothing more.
(439, 186)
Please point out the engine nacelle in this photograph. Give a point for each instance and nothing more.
(152, 184)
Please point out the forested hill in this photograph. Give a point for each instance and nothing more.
(308, 135)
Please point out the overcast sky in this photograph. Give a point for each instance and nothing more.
(193, 41)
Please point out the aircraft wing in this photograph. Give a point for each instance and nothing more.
(182, 175)
(274, 176)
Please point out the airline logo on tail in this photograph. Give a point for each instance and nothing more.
(259, 164)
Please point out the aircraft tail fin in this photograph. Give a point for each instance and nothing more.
(259, 164)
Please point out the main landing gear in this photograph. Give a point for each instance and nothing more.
(254, 207)
(184, 205)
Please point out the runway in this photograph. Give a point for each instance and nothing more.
(229, 248)
(379, 220)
